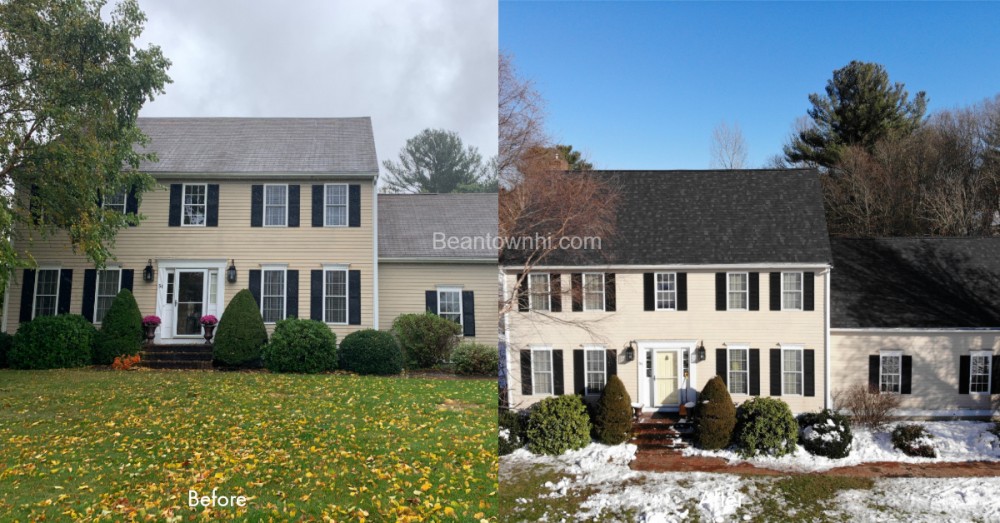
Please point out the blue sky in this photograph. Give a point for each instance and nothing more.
(641, 85)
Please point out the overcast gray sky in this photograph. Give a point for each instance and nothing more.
(410, 65)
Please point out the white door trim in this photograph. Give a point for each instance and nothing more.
(162, 308)
(688, 393)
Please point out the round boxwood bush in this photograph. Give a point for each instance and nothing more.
(240, 335)
(512, 431)
(558, 424)
(477, 359)
(121, 330)
(765, 426)
(301, 346)
(370, 351)
(6, 340)
(53, 342)
(426, 339)
(826, 433)
(714, 416)
(613, 413)
(914, 440)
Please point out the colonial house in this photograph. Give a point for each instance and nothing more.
(285, 207)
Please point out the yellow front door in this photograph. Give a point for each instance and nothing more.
(665, 389)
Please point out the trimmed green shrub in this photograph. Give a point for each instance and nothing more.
(301, 346)
(558, 424)
(512, 431)
(613, 413)
(240, 335)
(370, 351)
(826, 433)
(914, 440)
(6, 340)
(476, 359)
(426, 339)
(121, 330)
(714, 416)
(53, 342)
(765, 426)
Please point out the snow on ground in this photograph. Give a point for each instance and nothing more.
(938, 500)
(954, 441)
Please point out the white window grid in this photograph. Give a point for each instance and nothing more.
(109, 282)
(890, 372)
(979, 373)
(593, 291)
(595, 363)
(450, 303)
(738, 291)
(116, 201)
(335, 205)
(542, 370)
(46, 302)
(539, 292)
(335, 296)
(792, 374)
(791, 291)
(739, 370)
(275, 205)
(195, 205)
(666, 291)
(272, 294)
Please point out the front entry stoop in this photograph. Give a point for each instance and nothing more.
(658, 434)
(192, 356)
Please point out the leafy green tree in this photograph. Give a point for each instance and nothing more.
(436, 161)
(574, 159)
(71, 86)
(861, 107)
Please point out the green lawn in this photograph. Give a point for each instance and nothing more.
(106, 445)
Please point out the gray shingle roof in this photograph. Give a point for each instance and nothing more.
(915, 283)
(261, 145)
(407, 223)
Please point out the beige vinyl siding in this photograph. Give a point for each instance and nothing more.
(934, 378)
(762, 329)
(303, 248)
(402, 288)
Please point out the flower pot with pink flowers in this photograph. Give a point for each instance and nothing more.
(150, 323)
(208, 323)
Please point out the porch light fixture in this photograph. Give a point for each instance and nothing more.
(231, 272)
(629, 352)
(699, 353)
(147, 273)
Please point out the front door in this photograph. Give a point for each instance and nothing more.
(190, 303)
(666, 381)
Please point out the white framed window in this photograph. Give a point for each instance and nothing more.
(739, 290)
(335, 205)
(116, 201)
(890, 372)
(539, 292)
(791, 291)
(46, 293)
(195, 206)
(791, 371)
(979, 375)
(666, 291)
(272, 294)
(595, 363)
(213, 287)
(109, 282)
(335, 296)
(541, 370)
(450, 303)
(739, 369)
(275, 205)
(593, 291)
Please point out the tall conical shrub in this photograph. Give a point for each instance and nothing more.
(613, 413)
(121, 330)
(715, 416)
(240, 335)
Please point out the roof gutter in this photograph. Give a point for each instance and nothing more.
(706, 266)
(260, 175)
(485, 261)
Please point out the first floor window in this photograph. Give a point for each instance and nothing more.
(739, 371)
(273, 295)
(791, 291)
(666, 291)
(46, 292)
(890, 365)
(335, 209)
(194, 204)
(979, 378)
(593, 291)
(335, 296)
(791, 371)
(108, 285)
(450, 304)
(595, 364)
(538, 289)
(275, 205)
(541, 371)
(739, 291)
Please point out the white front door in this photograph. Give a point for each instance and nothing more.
(666, 380)
(189, 302)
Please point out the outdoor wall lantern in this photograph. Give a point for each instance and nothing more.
(147, 273)
(231, 272)
(699, 353)
(629, 352)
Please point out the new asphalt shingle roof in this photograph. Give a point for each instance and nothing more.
(915, 283)
(407, 224)
(260, 145)
(711, 217)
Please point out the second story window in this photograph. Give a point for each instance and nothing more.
(791, 291)
(538, 288)
(738, 291)
(335, 207)
(666, 291)
(115, 202)
(275, 205)
(593, 291)
(194, 205)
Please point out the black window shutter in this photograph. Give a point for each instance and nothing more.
(873, 372)
(682, 291)
(468, 314)
(431, 301)
(354, 205)
(526, 372)
(293, 205)
(556, 285)
(291, 294)
(576, 290)
(755, 372)
(522, 293)
(354, 297)
(212, 215)
(721, 365)
(775, 279)
(755, 291)
(809, 291)
(27, 295)
(963, 374)
(611, 363)
(176, 193)
(131, 203)
(256, 205)
(906, 375)
(558, 381)
(994, 374)
(128, 278)
(610, 299)
(720, 291)
(89, 289)
(579, 384)
(255, 285)
(809, 372)
(775, 372)
(316, 295)
(65, 290)
(648, 291)
(317, 206)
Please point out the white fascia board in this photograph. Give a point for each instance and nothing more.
(261, 175)
(915, 330)
(484, 261)
(667, 268)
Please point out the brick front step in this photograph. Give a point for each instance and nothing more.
(159, 364)
(188, 356)
(177, 356)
